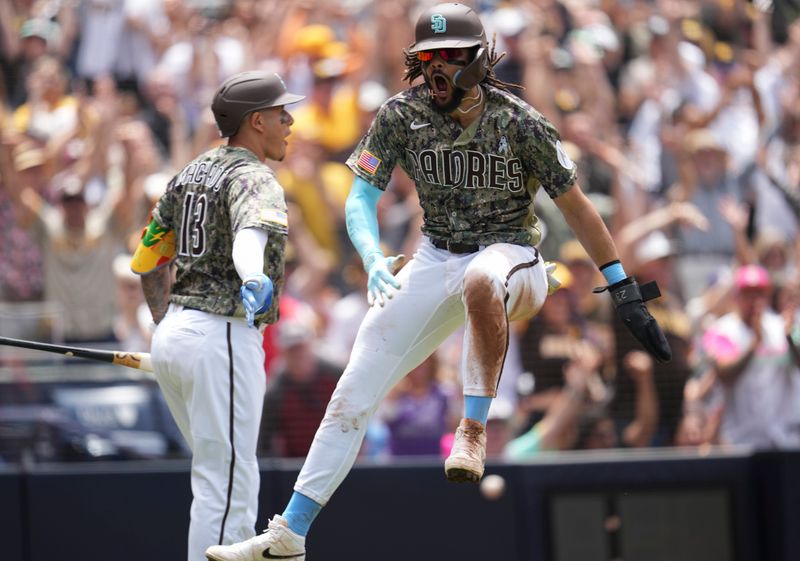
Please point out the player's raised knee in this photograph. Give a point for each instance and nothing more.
(482, 288)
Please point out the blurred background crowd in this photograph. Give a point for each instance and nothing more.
(684, 120)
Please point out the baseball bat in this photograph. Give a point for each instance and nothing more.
(140, 361)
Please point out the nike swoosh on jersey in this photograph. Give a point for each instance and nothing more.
(416, 126)
(268, 555)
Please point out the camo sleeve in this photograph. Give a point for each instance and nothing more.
(164, 211)
(545, 156)
(376, 155)
(256, 200)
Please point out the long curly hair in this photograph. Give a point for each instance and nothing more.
(414, 68)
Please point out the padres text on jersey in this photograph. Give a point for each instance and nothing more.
(476, 185)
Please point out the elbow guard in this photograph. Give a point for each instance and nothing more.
(156, 249)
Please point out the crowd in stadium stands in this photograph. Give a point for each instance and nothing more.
(682, 115)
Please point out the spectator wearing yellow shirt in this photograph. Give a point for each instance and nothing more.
(331, 116)
(49, 111)
(326, 127)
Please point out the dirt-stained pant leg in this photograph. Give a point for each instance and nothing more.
(395, 339)
(503, 282)
(391, 342)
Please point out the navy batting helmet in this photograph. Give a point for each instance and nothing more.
(244, 93)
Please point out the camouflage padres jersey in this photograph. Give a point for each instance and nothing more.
(219, 193)
(475, 185)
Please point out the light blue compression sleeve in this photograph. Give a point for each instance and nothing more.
(477, 408)
(300, 513)
(361, 216)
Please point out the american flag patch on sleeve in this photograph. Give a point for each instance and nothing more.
(275, 216)
(368, 161)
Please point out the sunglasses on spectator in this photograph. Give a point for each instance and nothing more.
(452, 55)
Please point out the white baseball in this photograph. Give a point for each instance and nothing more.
(493, 486)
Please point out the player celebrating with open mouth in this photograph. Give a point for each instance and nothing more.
(477, 155)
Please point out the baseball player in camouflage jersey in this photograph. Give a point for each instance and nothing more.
(478, 155)
(222, 223)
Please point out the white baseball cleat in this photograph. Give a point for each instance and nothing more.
(277, 542)
(467, 456)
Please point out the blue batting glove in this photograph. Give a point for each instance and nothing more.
(256, 294)
(381, 283)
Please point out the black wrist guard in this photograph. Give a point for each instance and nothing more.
(629, 298)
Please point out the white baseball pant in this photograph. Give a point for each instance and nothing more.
(440, 292)
(211, 371)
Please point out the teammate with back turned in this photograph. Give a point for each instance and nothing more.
(477, 155)
(222, 222)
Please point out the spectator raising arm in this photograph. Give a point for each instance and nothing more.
(640, 431)
(553, 431)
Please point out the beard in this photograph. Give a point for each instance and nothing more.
(456, 96)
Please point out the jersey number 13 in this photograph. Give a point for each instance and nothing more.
(193, 234)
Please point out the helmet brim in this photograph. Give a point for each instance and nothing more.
(285, 99)
(443, 43)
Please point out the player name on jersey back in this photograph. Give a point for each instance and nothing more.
(208, 174)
